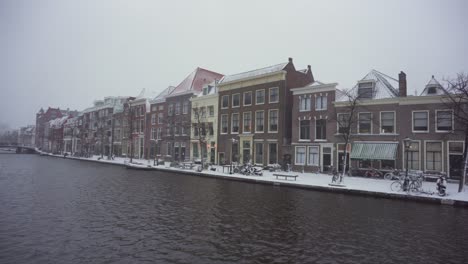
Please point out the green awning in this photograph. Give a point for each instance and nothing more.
(374, 151)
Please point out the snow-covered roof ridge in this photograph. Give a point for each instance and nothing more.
(253, 73)
(437, 88)
(385, 86)
(195, 81)
(58, 122)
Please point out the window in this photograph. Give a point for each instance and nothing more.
(343, 123)
(365, 123)
(142, 111)
(273, 121)
(413, 156)
(260, 97)
(431, 90)
(160, 118)
(161, 107)
(195, 130)
(434, 156)
(170, 110)
(321, 129)
(305, 130)
(153, 133)
(203, 112)
(158, 133)
(235, 100)
(258, 153)
(225, 101)
(185, 107)
(248, 98)
(365, 90)
(210, 129)
(169, 148)
(247, 122)
(300, 155)
(176, 130)
(211, 110)
(177, 108)
(272, 153)
(235, 123)
(142, 127)
(274, 95)
(182, 129)
(321, 103)
(259, 119)
(153, 119)
(444, 120)
(195, 150)
(224, 124)
(304, 103)
(246, 151)
(387, 122)
(313, 158)
(420, 121)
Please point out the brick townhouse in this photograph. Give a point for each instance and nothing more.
(385, 116)
(158, 115)
(42, 118)
(176, 108)
(255, 109)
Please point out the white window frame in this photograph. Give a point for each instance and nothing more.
(277, 121)
(264, 97)
(315, 132)
(243, 125)
(404, 154)
(412, 121)
(255, 152)
(269, 153)
(232, 100)
(299, 131)
(308, 107)
(436, 118)
(295, 155)
(255, 122)
(441, 153)
(222, 100)
(358, 123)
(251, 98)
(326, 103)
(394, 123)
(338, 123)
(221, 124)
(318, 155)
(269, 95)
(238, 123)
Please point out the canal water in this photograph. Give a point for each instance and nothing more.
(65, 211)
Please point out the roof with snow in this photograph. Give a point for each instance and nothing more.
(385, 86)
(253, 73)
(162, 95)
(196, 80)
(433, 87)
(58, 122)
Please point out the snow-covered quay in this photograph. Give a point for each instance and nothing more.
(315, 181)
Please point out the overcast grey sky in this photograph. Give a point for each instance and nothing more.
(69, 53)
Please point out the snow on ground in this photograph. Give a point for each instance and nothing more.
(308, 179)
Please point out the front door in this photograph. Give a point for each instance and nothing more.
(326, 158)
(456, 166)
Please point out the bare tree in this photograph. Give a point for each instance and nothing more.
(456, 99)
(347, 118)
(200, 130)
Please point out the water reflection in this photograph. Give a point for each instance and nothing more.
(63, 211)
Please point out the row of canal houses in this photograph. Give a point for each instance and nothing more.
(273, 115)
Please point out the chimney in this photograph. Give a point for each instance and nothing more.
(402, 84)
(308, 67)
(290, 60)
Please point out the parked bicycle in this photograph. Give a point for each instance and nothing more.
(373, 173)
(412, 183)
(393, 175)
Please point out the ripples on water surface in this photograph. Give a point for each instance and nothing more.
(64, 211)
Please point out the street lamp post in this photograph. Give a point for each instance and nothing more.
(233, 140)
(407, 142)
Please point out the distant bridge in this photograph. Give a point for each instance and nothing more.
(18, 149)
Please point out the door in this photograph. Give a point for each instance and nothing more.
(326, 158)
(456, 166)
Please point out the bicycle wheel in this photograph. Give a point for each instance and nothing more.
(413, 187)
(395, 186)
(388, 176)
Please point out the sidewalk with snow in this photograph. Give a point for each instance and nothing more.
(379, 187)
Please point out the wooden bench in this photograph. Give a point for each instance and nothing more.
(285, 176)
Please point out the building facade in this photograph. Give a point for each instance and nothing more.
(255, 111)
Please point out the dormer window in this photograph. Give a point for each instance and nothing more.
(365, 89)
(432, 90)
